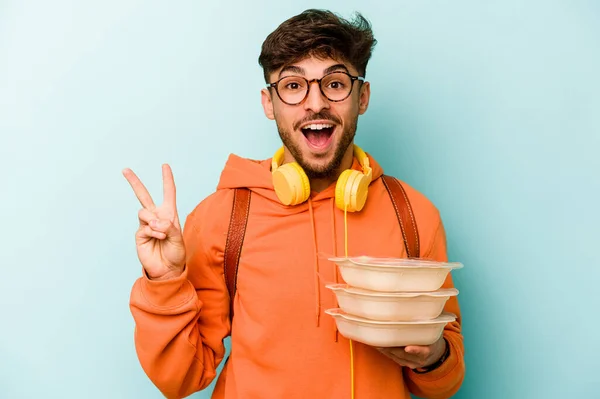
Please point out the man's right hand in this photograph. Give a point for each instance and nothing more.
(159, 239)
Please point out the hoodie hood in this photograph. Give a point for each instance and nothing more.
(256, 175)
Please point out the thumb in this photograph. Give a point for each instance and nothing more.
(164, 226)
(414, 350)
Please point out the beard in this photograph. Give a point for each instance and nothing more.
(330, 169)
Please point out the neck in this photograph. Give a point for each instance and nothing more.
(319, 185)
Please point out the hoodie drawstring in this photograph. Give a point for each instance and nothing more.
(334, 238)
(316, 252)
(335, 271)
(349, 340)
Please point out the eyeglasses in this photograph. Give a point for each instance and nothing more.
(335, 86)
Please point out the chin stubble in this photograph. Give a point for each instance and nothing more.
(328, 170)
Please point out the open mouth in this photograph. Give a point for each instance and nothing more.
(318, 135)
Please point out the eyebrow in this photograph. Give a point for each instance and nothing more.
(298, 70)
(336, 67)
(293, 69)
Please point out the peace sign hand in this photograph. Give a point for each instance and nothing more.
(159, 239)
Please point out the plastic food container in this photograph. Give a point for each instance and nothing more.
(391, 306)
(386, 334)
(394, 274)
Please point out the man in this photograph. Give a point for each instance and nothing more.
(283, 344)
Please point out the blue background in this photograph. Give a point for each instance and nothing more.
(492, 109)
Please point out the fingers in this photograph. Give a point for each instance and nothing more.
(139, 189)
(161, 225)
(152, 226)
(145, 216)
(410, 356)
(169, 192)
(419, 351)
(415, 356)
(146, 232)
(397, 357)
(164, 225)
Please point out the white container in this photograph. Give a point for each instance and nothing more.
(394, 274)
(385, 334)
(391, 306)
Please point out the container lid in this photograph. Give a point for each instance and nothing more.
(395, 262)
(359, 291)
(445, 317)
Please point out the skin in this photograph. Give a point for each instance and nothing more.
(159, 239)
(414, 356)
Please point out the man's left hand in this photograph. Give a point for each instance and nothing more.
(416, 357)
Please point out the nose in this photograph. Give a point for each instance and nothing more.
(315, 101)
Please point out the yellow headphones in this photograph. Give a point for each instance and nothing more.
(293, 187)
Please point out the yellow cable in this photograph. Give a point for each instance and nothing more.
(351, 349)
(351, 370)
(346, 230)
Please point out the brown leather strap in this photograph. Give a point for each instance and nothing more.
(405, 215)
(235, 238)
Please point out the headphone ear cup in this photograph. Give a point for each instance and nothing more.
(341, 198)
(291, 184)
(351, 190)
(360, 189)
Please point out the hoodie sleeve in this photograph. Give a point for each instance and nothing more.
(444, 381)
(180, 324)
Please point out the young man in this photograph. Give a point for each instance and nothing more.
(283, 344)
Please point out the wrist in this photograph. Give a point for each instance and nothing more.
(445, 354)
(171, 274)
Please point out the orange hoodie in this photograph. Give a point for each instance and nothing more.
(283, 345)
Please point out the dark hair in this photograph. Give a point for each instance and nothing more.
(318, 33)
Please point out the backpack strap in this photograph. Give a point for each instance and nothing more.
(235, 239)
(405, 215)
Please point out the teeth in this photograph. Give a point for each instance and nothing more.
(319, 126)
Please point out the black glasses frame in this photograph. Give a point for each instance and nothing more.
(308, 85)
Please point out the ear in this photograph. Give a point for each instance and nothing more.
(363, 101)
(267, 103)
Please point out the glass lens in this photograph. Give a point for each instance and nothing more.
(292, 89)
(336, 86)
